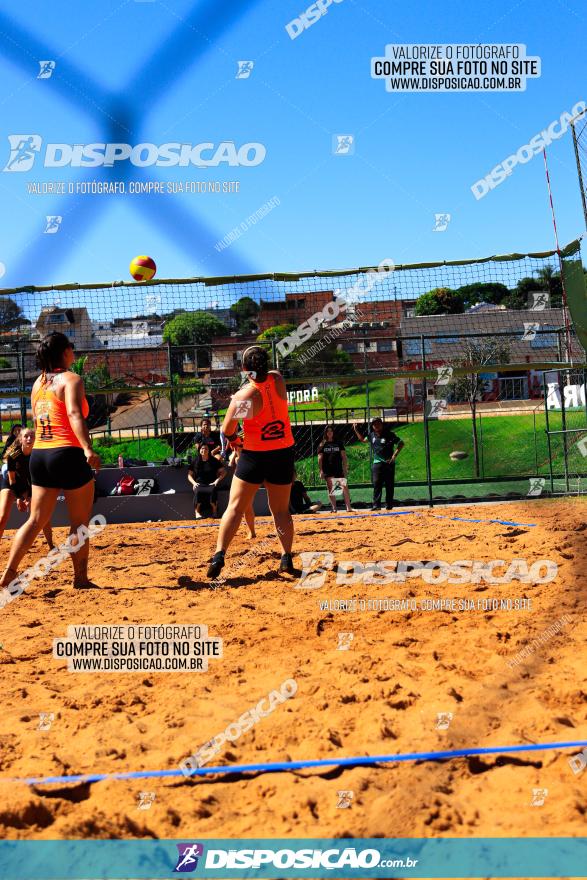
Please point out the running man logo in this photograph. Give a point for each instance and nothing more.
(530, 331)
(443, 720)
(536, 486)
(344, 641)
(435, 409)
(245, 68)
(538, 301)
(53, 224)
(46, 71)
(243, 409)
(46, 719)
(187, 860)
(578, 762)
(273, 430)
(343, 144)
(444, 375)
(146, 799)
(23, 151)
(441, 222)
(539, 795)
(345, 799)
(152, 301)
(313, 575)
(582, 447)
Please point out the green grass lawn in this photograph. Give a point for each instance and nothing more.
(509, 447)
(149, 450)
(380, 395)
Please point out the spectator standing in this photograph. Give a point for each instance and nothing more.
(386, 447)
(333, 464)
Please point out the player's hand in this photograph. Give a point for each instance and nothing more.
(93, 459)
(21, 504)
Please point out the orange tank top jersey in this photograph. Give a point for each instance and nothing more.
(271, 429)
(53, 428)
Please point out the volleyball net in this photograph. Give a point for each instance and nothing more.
(435, 348)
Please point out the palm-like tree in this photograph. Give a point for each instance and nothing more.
(330, 397)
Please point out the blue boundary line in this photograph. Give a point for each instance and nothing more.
(502, 522)
(285, 766)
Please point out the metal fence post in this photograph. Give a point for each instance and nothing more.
(22, 386)
(171, 397)
(544, 374)
(564, 428)
(426, 428)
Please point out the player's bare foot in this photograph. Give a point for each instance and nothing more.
(85, 585)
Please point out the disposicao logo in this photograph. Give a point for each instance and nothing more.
(25, 147)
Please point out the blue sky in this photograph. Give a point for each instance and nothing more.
(165, 71)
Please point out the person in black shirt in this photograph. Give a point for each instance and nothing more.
(382, 441)
(205, 473)
(299, 500)
(333, 465)
(208, 436)
(15, 483)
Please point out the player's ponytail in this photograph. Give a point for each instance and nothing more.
(256, 362)
(50, 352)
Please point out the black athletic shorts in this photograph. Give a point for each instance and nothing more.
(274, 466)
(64, 467)
(19, 488)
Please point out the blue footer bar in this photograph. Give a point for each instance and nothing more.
(276, 858)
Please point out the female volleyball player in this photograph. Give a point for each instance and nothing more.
(267, 455)
(62, 458)
(15, 483)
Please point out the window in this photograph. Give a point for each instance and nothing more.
(446, 340)
(386, 345)
(545, 340)
(56, 319)
(350, 347)
(414, 347)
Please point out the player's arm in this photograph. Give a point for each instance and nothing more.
(191, 475)
(280, 385)
(345, 463)
(320, 460)
(74, 395)
(11, 470)
(400, 446)
(254, 404)
(219, 476)
(358, 433)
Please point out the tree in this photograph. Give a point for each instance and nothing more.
(194, 328)
(544, 279)
(440, 301)
(325, 361)
(184, 388)
(10, 313)
(477, 353)
(331, 396)
(96, 382)
(280, 331)
(482, 291)
(245, 312)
